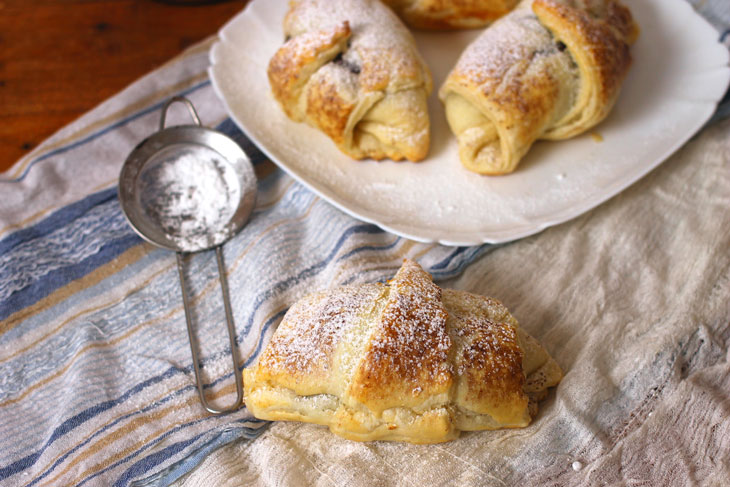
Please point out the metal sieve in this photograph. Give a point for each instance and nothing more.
(189, 188)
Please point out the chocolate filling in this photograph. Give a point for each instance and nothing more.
(349, 65)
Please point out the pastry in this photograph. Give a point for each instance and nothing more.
(550, 69)
(403, 361)
(351, 69)
(450, 14)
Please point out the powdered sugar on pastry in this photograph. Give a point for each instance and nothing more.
(411, 338)
(313, 329)
(351, 69)
(550, 69)
(379, 39)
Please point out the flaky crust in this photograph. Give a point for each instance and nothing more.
(351, 69)
(450, 14)
(551, 69)
(406, 361)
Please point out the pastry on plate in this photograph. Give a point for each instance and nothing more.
(450, 14)
(550, 69)
(402, 361)
(351, 69)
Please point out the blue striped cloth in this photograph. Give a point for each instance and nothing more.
(96, 380)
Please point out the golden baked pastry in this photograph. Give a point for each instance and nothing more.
(406, 361)
(450, 14)
(550, 69)
(351, 69)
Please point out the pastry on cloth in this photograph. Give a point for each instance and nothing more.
(351, 69)
(403, 361)
(550, 69)
(450, 14)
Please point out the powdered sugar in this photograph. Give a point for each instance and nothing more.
(192, 194)
(373, 25)
(411, 342)
(380, 48)
(510, 41)
(314, 327)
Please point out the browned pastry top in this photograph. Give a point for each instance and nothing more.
(406, 358)
(450, 14)
(598, 34)
(352, 69)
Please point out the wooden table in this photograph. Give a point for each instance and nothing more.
(60, 58)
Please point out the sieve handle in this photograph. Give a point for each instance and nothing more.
(179, 99)
(231, 335)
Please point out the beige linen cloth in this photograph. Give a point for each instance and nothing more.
(632, 299)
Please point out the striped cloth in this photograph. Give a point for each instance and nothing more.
(96, 380)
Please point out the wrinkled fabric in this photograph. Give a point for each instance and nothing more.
(633, 301)
(96, 379)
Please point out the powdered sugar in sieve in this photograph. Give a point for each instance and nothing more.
(191, 194)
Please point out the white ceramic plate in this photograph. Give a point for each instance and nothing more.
(680, 71)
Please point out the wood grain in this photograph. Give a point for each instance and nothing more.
(61, 58)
